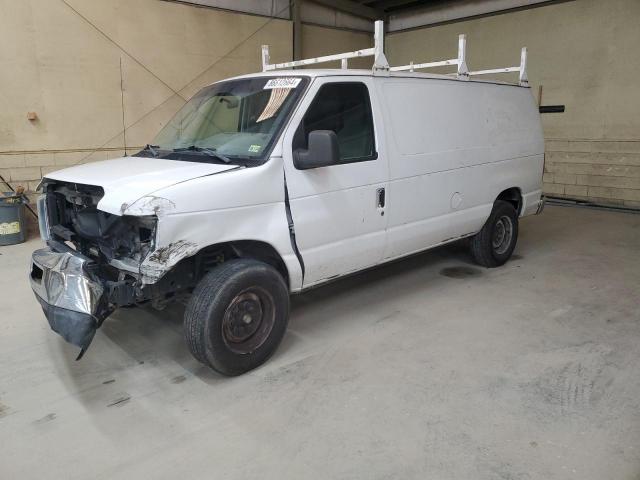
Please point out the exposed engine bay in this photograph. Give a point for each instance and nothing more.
(115, 245)
(73, 217)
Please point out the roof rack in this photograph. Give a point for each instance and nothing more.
(377, 52)
(460, 61)
(380, 62)
(523, 79)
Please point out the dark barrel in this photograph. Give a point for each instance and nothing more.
(12, 218)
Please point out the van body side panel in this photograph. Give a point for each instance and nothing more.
(453, 147)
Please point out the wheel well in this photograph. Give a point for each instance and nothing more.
(185, 275)
(513, 196)
(210, 256)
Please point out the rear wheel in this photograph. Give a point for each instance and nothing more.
(237, 316)
(493, 245)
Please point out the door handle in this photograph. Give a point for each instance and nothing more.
(380, 197)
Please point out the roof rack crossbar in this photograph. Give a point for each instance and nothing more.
(377, 51)
(368, 52)
(460, 61)
(418, 66)
(522, 68)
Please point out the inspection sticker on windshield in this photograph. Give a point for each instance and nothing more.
(254, 148)
(284, 82)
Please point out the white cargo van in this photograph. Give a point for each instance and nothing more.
(269, 184)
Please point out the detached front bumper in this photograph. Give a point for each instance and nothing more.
(72, 297)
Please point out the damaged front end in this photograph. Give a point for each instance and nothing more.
(91, 265)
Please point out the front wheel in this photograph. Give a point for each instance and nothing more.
(493, 245)
(237, 316)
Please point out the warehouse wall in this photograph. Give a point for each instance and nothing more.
(318, 41)
(56, 64)
(584, 54)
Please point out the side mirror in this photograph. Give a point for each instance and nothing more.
(322, 152)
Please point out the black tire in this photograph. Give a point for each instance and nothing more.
(237, 316)
(493, 245)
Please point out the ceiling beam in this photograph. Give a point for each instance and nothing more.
(353, 8)
(386, 4)
(443, 12)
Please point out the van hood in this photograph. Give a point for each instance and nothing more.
(127, 180)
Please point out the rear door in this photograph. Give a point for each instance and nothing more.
(339, 210)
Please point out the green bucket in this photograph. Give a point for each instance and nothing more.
(12, 218)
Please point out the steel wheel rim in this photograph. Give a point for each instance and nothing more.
(502, 235)
(248, 320)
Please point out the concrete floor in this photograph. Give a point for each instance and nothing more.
(427, 368)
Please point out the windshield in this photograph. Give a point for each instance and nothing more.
(234, 119)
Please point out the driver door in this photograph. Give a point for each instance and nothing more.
(338, 210)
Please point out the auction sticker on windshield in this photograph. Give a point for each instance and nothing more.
(284, 82)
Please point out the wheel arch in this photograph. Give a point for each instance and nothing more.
(208, 257)
(513, 195)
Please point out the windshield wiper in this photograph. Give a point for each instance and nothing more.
(152, 149)
(207, 151)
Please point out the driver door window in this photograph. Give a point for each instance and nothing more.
(345, 109)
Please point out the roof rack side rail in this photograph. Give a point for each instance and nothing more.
(463, 72)
(522, 69)
(377, 52)
(460, 61)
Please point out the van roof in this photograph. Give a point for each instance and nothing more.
(339, 72)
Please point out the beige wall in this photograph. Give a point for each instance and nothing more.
(55, 64)
(318, 41)
(585, 55)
